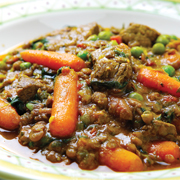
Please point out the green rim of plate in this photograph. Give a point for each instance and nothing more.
(18, 9)
(24, 168)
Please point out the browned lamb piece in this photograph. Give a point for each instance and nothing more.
(156, 130)
(112, 68)
(139, 35)
(27, 88)
(71, 36)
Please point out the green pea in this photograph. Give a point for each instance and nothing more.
(93, 37)
(169, 70)
(113, 42)
(105, 35)
(136, 51)
(174, 37)
(158, 48)
(162, 39)
(30, 106)
(2, 65)
(136, 95)
(83, 54)
(167, 36)
(6, 58)
(85, 118)
(38, 45)
(25, 65)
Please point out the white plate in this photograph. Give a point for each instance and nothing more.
(27, 20)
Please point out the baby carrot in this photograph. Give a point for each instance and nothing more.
(53, 60)
(159, 80)
(120, 160)
(9, 118)
(168, 151)
(65, 106)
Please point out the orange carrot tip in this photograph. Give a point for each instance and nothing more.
(168, 151)
(63, 69)
(9, 118)
(121, 160)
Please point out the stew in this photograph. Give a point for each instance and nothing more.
(95, 96)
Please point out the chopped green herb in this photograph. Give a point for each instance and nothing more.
(119, 53)
(17, 104)
(47, 74)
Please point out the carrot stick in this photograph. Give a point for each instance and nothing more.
(65, 106)
(9, 118)
(120, 160)
(159, 80)
(53, 60)
(168, 151)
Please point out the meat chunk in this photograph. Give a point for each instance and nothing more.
(100, 99)
(139, 35)
(27, 88)
(158, 129)
(88, 30)
(72, 36)
(119, 107)
(112, 68)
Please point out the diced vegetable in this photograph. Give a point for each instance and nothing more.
(117, 38)
(113, 42)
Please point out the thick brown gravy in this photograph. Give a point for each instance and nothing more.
(9, 139)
